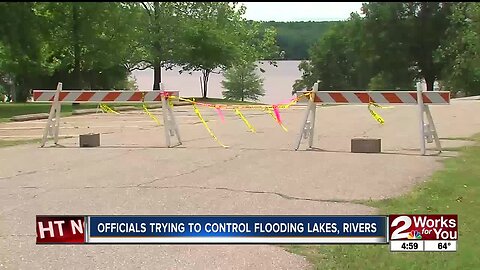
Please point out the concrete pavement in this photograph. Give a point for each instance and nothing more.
(133, 173)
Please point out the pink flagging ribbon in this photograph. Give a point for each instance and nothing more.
(277, 113)
(220, 113)
(286, 101)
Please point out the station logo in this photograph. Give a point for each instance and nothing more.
(423, 227)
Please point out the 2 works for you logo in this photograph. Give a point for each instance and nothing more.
(423, 227)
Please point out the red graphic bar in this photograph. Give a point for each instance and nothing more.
(60, 229)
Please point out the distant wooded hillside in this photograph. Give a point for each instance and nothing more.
(295, 38)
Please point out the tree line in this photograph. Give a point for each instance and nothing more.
(97, 45)
(390, 45)
(295, 38)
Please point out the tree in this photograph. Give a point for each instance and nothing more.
(460, 50)
(295, 38)
(243, 83)
(308, 79)
(89, 42)
(83, 45)
(161, 28)
(391, 46)
(216, 37)
(209, 39)
(405, 38)
(96, 45)
(339, 59)
(23, 50)
(381, 81)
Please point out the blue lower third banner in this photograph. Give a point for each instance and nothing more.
(236, 229)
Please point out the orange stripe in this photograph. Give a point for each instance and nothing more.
(392, 98)
(136, 96)
(414, 96)
(85, 96)
(111, 96)
(168, 94)
(364, 97)
(338, 97)
(158, 97)
(426, 99)
(36, 94)
(172, 93)
(61, 96)
(446, 96)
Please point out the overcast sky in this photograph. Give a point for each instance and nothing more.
(300, 11)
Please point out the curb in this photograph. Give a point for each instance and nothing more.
(28, 117)
(40, 116)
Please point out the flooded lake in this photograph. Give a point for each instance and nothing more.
(277, 82)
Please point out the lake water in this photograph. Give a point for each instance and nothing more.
(277, 82)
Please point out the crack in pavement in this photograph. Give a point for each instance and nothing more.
(282, 195)
(147, 185)
(129, 186)
(24, 202)
(189, 172)
(19, 174)
(66, 167)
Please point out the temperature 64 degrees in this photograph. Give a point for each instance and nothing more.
(431, 245)
(445, 245)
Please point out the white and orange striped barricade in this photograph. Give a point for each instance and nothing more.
(105, 96)
(420, 98)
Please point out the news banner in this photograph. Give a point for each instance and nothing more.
(403, 232)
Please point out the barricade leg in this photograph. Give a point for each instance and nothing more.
(166, 124)
(174, 124)
(51, 126)
(170, 125)
(56, 128)
(312, 126)
(433, 129)
(311, 110)
(421, 123)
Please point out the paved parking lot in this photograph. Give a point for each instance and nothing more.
(259, 173)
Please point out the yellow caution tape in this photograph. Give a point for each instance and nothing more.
(206, 126)
(224, 106)
(380, 106)
(105, 108)
(237, 112)
(266, 108)
(185, 99)
(275, 118)
(294, 101)
(147, 111)
(102, 108)
(375, 115)
(150, 114)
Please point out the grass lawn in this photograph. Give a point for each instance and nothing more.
(6, 143)
(452, 190)
(8, 110)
